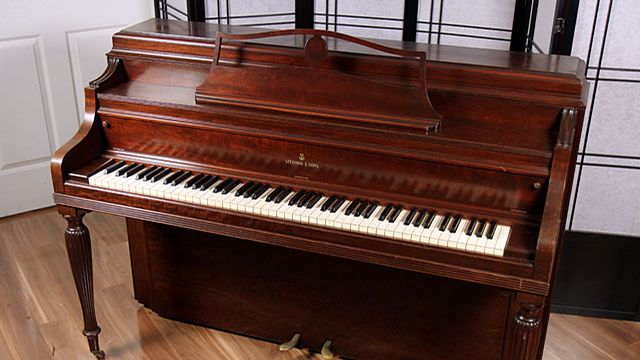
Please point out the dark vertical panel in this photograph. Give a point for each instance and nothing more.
(598, 275)
(532, 26)
(440, 20)
(326, 11)
(165, 11)
(520, 28)
(431, 20)
(195, 10)
(567, 15)
(410, 20)
(156, 8)
(304, 14)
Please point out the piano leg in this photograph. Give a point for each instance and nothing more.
(79, 251)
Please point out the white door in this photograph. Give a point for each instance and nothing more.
(49, 50)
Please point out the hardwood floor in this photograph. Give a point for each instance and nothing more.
(40, 314)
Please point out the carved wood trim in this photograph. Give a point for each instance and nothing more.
(525, 332)
(78, 243)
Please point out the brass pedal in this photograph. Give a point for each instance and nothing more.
(326, 350)
(290, 344)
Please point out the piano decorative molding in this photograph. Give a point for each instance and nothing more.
(567, 130)
(398, 104)
(112, 75)
(78, 243)
(525, 332)
(280, 156)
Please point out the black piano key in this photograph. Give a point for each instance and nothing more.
(114, 167)
(385, 212)
(427, 223)
(370, 209)
(134, 170)
(193, 180)
(410, 216)
(455, 224)
(252, 189)
(338, 204)
(421, 215)
(222, 185)
(327, 203)
(360, 208)
(481, 227)
(283, 195)
(173, 176)
(124, 170)
(470, 227)
(444, 222)
(142, 175)
(314, 200)
(232, 185)
(244, 188)
(261, 190)
(352, 207)
(305, 199)
(272, 195)
(492, 230)
(294, 200)
(209, 183)
(394, 215)
(153, 173)
(160, 174)
(203, 179)
(181, 178)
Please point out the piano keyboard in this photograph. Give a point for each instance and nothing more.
(308, 207)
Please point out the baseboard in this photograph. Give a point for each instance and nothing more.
(598, 275)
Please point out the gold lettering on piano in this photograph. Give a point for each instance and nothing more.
(301, 162)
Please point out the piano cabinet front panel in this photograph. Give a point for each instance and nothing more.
(270, 293)
(421, 180)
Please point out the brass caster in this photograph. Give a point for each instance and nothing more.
(99, 354)
(326, 350)
(290, 344)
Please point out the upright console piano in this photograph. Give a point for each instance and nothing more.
(362, 199)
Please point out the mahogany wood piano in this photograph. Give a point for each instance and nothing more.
(363, 199)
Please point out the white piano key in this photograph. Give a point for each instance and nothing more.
(503, 237)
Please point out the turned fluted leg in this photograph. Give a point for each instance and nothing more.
(525, 333)
(79, 251)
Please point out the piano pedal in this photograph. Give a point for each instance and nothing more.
(290, 344)
(99, 354)
(326, 350)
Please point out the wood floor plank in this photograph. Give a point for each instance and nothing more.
(40, 314)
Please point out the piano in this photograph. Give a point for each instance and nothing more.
(362, 199)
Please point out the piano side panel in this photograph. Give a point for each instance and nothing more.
(370, 312)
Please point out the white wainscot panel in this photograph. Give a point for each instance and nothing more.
(608, 201)
(87, 49)
(614, 124)
(24, 105)
(31, 186)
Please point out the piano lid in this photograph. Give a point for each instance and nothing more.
(314, 89)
